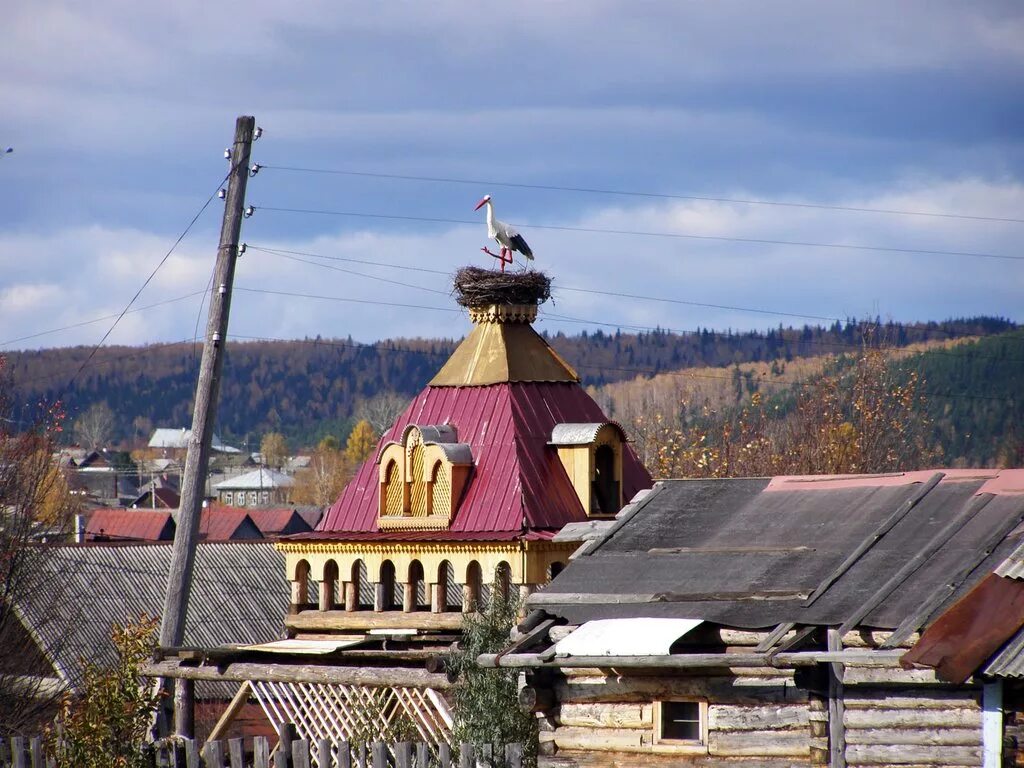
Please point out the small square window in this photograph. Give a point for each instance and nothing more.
(681, 722)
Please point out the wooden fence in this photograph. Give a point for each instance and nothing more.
(20, 752)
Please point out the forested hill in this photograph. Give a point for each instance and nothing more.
(312, 387)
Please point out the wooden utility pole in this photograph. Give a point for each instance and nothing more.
(193, 481)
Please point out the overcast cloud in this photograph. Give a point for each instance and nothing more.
(119, 111)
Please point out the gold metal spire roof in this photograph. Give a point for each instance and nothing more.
(503, 347)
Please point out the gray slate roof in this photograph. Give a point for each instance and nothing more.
(258, 479)
(738, 553)
(239, 595)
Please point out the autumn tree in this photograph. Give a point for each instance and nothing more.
(93, 428)
(362, 440)
(274, 449)
(860, 415)
(381, 410)
(322, 481)
(35, 508)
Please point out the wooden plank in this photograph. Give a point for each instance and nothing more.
(774, 636)
(403, 754)
(300, 753)
(224, 721)
(606, 715)
(444, 755)
(281, 759)
(213, 755)
(313, 621)
(919, 736)
(380, 754)
(836, 709)
(302, 673)
(19, 754)
(36, 752)
(908, 699)
(260, 752)
(600, 739)
(935, 543)
(192, 753)
(344, 754)
(904, 754)
(466, 756)
(236, 753)
(792, 743)
(513, 756)
(323, 753)
(766, 718)
(910, 718)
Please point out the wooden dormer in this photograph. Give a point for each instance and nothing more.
(422, 478)
(592, 456)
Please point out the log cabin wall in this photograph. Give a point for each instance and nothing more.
(606, 718)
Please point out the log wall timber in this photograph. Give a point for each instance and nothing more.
(919, 725)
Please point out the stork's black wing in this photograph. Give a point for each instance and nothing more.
(518, 244)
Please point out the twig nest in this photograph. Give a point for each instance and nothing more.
(476, 287)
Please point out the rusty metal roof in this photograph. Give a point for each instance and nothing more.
(517, 482)
(129, 525)
(750, 552)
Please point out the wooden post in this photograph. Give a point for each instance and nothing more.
(469, 598)
(213, 754)
(191, 754)
(344, 754)
(36, 752)
(380, 754)
(836, 707)
(380, 598)
(422, 755)
(323, 753)
(409, 597)
(444, 755)
(326, 602)
(403, 754)
(260, 752)
(286, 734)
(514, 755)
(466, 756)
(351, 596)
(300, 753)
(236, 753)
(18, 752)
(185, 708)
(179, 578)
(438, 598)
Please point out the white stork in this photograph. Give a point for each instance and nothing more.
(504, 235)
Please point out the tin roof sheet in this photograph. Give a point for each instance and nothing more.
(258, 479)
(742, 553)
(517, 482)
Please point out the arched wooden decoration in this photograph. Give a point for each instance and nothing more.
(592, 457)
(422, 478)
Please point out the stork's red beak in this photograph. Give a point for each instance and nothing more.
(483, 201)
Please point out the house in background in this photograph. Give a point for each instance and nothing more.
(262, 487)
(156, 494)
(174, 443)
(779, 621)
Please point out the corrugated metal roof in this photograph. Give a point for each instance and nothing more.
(239, 595)
(580, 434)
(517, 482)
(1009, 662)
(130, 525)
(278, 522)
(733, 552)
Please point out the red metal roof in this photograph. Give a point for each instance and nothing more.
(129, 525)
(226, 524)
(517, 483)
(277, 522)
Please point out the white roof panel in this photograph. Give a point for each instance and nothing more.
(624, 637)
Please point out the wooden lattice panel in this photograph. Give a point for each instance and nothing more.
(441, 493)
(355, 713)
(418, 494)
(394, 491)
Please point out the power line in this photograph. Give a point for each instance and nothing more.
(100, 319)
(641, 233)
(910, 326)
(361, 274)
(152, 274)
(629, 193)
(342, 298)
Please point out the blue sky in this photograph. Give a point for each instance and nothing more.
(119, 111)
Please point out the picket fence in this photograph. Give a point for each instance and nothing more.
(20, 752)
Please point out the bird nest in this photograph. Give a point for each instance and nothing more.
(476, 287)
